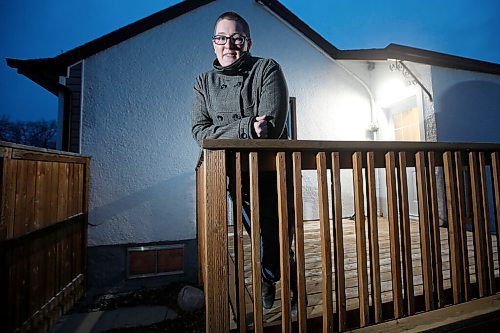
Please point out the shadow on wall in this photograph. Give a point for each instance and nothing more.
(469, 111)
(164, 211)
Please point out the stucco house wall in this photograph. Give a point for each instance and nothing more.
(466, 105)
(136, 118)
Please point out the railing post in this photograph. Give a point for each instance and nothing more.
(371, 190)
(326, 247)
(453, 232)
(255, 239)
(299, 242)
(357, 172)
(435, 233)
(404, 215)
(425, 247)
(397, 294)
(338, 237)
(216, 282)
(495, 175)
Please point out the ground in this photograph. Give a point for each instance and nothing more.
(166, 296)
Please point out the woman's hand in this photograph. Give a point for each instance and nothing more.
(260, 127)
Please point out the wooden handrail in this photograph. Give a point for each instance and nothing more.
(462, 172)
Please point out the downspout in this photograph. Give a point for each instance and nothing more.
(372, 126)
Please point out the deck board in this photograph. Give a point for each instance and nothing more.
(313, 265)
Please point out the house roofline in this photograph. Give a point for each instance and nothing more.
(402, 52)
(281, 11)
(46, 71)
(51, 68)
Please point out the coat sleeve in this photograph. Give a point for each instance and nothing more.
(274, 98)
(203, 127)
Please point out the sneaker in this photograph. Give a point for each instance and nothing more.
(268, 293)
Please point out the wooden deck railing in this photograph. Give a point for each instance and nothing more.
(469, 175)
(43, 235)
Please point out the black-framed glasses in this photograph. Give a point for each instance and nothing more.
(236, 39)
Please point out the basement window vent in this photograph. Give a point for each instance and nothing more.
(146, 261)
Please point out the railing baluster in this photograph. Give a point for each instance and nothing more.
(255, 240)
(495, 175)
(405, 235)
(240, 256)
(357, 172)
(299, 242)
(338, 238)
(490, 271)
(397, 295)
(435, 231)
(373, 235)
(424, 231)
(462, 225)
(453, 232)
(479, 244)
(326, 256)
(286, 319)
(216, 283)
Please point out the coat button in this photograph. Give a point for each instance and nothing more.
(220, 118)
(236, 116)
(244, 135)
(223, 86)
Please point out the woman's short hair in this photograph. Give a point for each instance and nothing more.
(234, 17)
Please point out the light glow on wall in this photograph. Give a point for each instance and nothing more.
(395, 90)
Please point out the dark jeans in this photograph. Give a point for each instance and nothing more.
(269, 225)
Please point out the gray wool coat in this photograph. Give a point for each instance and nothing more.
(227, 100)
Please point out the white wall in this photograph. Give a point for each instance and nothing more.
(136, 118)
(466, 105)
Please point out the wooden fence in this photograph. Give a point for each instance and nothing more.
(468, 172)
(43, 235)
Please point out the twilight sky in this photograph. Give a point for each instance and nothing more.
(38, 29)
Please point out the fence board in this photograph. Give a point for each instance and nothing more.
(62, 192)
(30, 194)
(20, 221)
(9, 207)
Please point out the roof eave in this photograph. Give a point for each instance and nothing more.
(289, 17)
(401, 52)
(46, 72)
